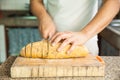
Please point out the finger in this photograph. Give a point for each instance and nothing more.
(54, 36)
(71, 48)
(66, 42)
(51, 35)
(45, 35)
(59, 38)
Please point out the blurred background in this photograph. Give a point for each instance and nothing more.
(18, 27)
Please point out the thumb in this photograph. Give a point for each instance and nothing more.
(50, 36)
(45, 35)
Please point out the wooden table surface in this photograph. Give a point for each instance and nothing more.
(112, 71)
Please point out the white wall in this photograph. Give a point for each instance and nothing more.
(13, 4)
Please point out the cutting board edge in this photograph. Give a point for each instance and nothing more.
(29, 71)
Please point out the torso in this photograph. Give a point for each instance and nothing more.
(73, 15)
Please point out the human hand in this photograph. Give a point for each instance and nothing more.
(73, 38)
(47, 28)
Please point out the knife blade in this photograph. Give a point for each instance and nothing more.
(48, 45)
(45, 48)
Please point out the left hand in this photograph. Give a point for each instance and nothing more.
(73, 38)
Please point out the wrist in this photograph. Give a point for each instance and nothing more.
(85, 35)
(46, 19)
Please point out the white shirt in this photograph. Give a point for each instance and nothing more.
(73, 15)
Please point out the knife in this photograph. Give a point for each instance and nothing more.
(45, 45)
(48, 45)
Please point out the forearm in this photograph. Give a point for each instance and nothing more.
(39, 10)
(104, 16)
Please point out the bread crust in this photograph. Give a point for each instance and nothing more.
(44, 49)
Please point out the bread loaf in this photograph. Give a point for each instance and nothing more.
(44, 49)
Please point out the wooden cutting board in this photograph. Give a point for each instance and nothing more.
(29, 67)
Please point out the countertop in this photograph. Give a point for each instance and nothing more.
(26, 21)
(112, 71)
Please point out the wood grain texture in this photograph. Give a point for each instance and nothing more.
(74, 67)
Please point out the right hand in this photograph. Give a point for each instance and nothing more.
(47, 28)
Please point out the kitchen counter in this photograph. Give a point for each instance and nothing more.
(112, 71)
(26, 21)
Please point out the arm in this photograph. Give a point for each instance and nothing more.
(45, 21)
(104, 16)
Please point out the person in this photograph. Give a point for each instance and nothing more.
(75, 22)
